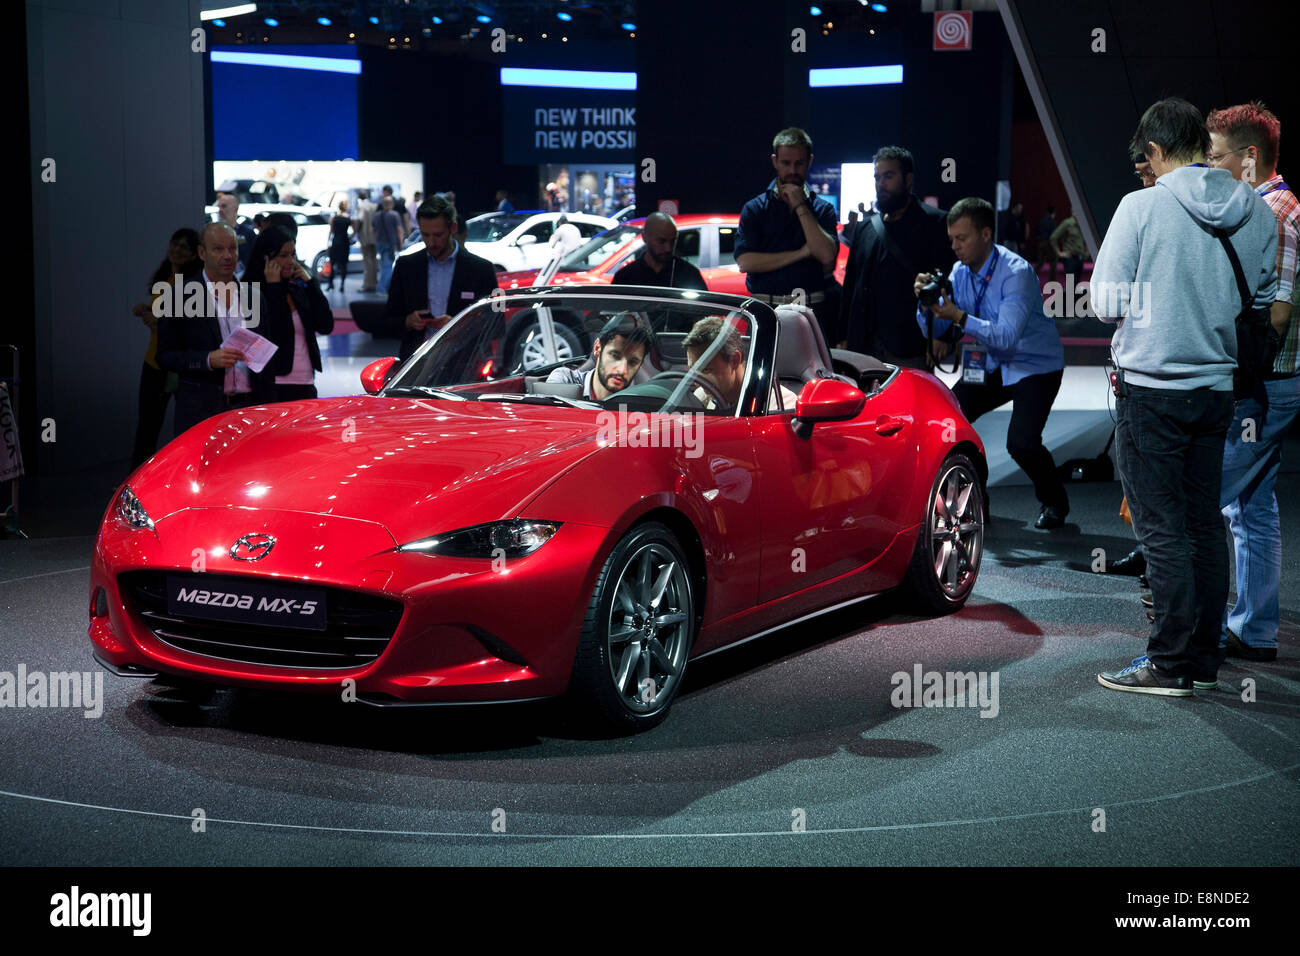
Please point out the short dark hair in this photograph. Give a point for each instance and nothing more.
(637, 335)
(1176, 126)
(978, 211)
(1249, 124)
(898, 154)
(703, 333)
(436, 206)
(792, 136)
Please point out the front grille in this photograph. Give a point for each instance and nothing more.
(358, 626)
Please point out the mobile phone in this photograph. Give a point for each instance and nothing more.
(426, 315)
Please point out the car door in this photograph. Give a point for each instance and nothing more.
(832, 502)
(723, 275)
(536, 254)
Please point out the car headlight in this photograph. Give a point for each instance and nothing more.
(130, 512)
(511, 539)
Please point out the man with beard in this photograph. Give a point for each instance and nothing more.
(786, 242)
(617, 352)
(658, 265)
(889, 248)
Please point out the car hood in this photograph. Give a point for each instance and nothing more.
(416, 466)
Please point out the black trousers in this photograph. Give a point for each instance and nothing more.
(294, 393)
(1031, 400)
(152, 409)
(1169, 447)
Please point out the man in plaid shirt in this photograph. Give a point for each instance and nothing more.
(1245, 140)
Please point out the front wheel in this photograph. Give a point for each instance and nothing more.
(950, 542)
(637, 634)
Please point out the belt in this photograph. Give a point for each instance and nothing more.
(811, 299)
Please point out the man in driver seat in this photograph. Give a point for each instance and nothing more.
(725, 370)
(618, 351)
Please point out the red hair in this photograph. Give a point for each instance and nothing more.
(1249, 124)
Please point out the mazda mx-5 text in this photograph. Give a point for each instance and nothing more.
(466, 531)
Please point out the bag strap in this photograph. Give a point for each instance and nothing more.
(891, 245)
(1242, 289)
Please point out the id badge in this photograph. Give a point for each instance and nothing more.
(972, 364)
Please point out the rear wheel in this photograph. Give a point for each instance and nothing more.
(950, 543)
(637, 634)
(320, 265)
(529, 349)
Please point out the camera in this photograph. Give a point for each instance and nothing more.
(938, 286)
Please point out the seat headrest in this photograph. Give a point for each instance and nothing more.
(801, 351)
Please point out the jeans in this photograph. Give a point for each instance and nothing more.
(385, 266)
(1250, 470)
(1031, 400)
(1169, 448)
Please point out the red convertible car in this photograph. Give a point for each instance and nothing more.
(471, 532)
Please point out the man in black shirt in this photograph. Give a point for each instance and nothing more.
(786, 240)
(657, 264)
(878, 309)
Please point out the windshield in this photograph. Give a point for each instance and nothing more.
(652, 354)
(598, 248)
(491, 228)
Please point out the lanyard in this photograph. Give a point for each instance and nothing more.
(993, 263)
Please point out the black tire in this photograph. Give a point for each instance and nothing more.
(956, 488)
(653, 658)
(528, 340)
(318, 264)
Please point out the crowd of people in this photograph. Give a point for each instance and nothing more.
(1213, 241)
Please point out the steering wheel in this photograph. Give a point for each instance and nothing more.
(676, 375)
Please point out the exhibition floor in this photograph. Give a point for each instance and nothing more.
(795, 728)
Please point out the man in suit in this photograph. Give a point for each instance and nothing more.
(428, 288)
(212, 379)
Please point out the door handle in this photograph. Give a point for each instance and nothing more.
(889, 424)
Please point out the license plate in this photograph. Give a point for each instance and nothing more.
(247, 602)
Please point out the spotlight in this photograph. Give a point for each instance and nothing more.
(271, 22)
(815, 11)
(483, 18)
(562, 15)
(437, 21)
(218, 23)
(374, 21)
(880, 8)
(325, 21)
(629, 26)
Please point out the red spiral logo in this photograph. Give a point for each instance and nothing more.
(952, 29)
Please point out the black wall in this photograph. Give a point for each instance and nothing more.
(1214, 53)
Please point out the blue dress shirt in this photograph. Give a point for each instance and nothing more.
(440, 274)
(1020, 337)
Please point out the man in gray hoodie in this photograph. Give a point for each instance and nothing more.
(1167, 281)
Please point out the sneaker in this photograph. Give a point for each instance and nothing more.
(1147, 599)
(1235, 648)
(1205, 682)
(1143, 677)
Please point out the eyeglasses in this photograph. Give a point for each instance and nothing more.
(1215, 157)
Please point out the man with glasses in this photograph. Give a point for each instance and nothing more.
(1245, 140)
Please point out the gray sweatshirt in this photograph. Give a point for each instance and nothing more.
(1169, 283)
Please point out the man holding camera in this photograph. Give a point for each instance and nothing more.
(993, 296)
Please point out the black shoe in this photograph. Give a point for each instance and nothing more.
(1236, 648)
(1051, 517)
(1142, 677)
(1143, 582)
(1135, 562)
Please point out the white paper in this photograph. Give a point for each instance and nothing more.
(256, 348)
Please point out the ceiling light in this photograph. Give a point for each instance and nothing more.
(234, 11)
(562, 15)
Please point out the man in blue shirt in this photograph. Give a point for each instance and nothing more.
(503, 202)
(786, 239)
(1017, 357)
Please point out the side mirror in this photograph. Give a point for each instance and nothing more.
(375, 375)
(826, 400)
(525, 240)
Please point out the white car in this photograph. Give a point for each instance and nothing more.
(313, 242)
(513, 241)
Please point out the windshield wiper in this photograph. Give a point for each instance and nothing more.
(426, 390)
(539, 399)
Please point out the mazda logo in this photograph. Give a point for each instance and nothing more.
(252, 547)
